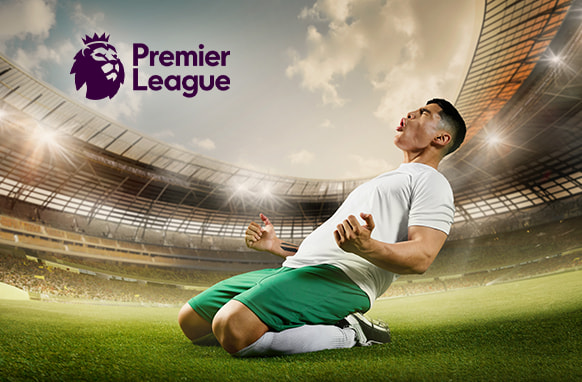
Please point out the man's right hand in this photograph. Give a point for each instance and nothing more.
(261, 238)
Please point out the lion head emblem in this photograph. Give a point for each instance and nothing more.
(98, 66)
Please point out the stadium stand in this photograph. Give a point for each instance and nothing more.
(45, 281)
(79, 273)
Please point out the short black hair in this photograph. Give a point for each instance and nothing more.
(452, 118)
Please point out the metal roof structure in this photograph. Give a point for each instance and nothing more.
(524, 146)
(524, 84)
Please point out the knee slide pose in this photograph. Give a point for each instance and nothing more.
(393, 224)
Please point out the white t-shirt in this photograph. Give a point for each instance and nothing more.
(412, 195)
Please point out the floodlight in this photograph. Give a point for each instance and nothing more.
(240, 188)
(494, 139)
(46, 136)
(553, 58)
(266, 191)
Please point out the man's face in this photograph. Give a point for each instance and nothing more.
(417, 130)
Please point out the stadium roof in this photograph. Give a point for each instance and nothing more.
(525, 144)
(523, 85)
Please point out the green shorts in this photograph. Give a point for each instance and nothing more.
(287, 297)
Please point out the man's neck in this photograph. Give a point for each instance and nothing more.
(429, 159)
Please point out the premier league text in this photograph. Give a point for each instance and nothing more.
(189, 84)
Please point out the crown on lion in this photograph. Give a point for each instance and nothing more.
(96, 38)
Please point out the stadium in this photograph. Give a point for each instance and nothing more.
(112, 224)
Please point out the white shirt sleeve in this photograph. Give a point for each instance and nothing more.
(432, 203)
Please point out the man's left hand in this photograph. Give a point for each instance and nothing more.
(353, 237)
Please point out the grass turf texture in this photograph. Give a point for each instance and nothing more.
(528, 330)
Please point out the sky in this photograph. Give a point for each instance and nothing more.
(317, 88)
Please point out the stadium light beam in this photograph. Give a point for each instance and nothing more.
(241, 188)
(266, 192)
(556, 60)
(46, 137)
(558, 63)
(552, 58)
(493, 140)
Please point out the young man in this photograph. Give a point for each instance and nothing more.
(312, 302)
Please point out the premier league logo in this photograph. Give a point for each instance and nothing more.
(98, 67)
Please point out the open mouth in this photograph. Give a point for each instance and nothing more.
(402, 124)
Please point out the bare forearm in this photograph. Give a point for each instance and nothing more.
(403, 258)
(412, 256)
(284, 249)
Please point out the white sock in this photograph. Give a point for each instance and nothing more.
(302, 339)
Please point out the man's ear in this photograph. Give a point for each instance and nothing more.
(442, 139)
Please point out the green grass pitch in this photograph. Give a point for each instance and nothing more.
(528, 330)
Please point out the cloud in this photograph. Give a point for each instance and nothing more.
(204, 143)
(301, 157)
(423, 78)
(327, 124)
(328, 10)
(88, 23)
(396, 104)
(403, 53)
(359, 33)
(26, 18)
(33, 60)
(327, 62)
